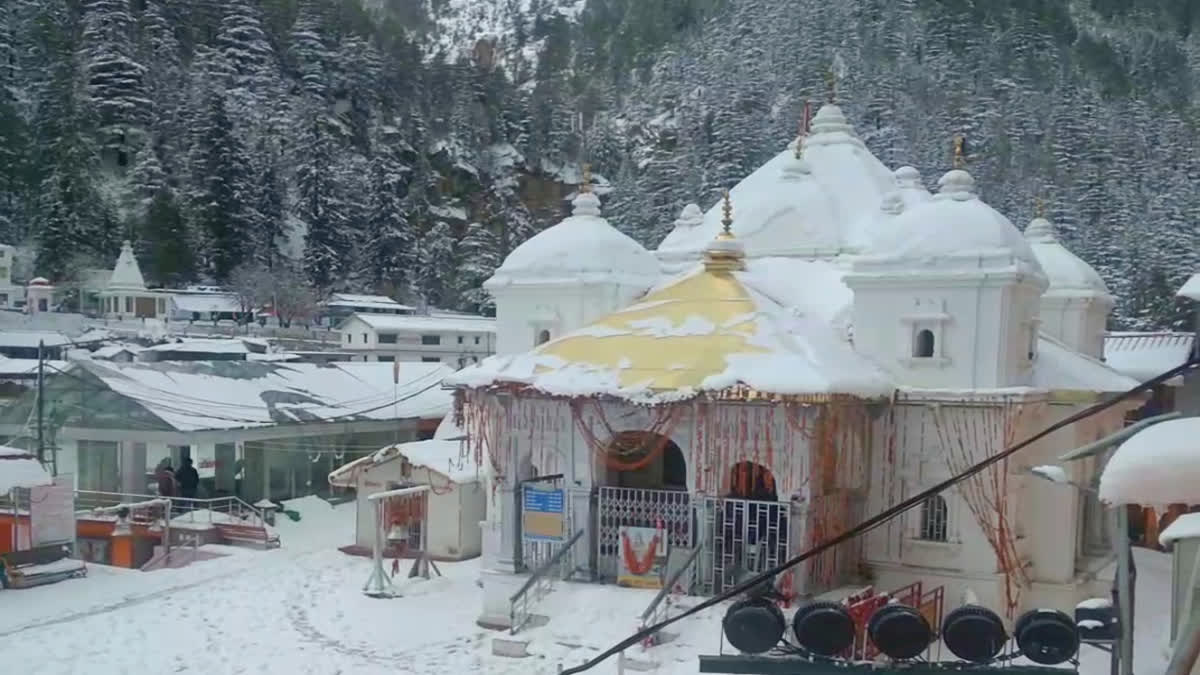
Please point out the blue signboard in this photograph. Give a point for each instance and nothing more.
(542, 514)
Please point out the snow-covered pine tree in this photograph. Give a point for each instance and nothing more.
(320, 206)
(167, 243)
(390, 238)
(166, 82)
(479, 252)
(269, 208)
(113, 79)
(246, 47)
(308, 56)
(222, 203)
(147, 179)
(357, 65)
(439, 261)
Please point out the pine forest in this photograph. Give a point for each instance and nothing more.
(405, 146)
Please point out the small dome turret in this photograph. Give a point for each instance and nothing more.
(583, 247)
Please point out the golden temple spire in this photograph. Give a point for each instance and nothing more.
(959, 161)
(586, 185)
(727, 218)
(725, 253)
(1039, 207)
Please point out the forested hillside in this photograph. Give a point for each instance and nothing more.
(406, 145)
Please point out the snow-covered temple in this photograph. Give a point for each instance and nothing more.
(828, 340)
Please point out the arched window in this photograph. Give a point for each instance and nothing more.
(543, 337)
(934, 516)
(923, 345)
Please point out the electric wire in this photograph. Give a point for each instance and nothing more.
(881, 517)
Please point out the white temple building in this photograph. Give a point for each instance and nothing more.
(829, 341)
(125, 296)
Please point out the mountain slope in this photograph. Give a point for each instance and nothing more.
(366, 140)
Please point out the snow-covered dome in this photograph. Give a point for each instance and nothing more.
(909, 192)
(954, 222)
(584, 247)
(796, 206)
(39, 281)
(1066, 272)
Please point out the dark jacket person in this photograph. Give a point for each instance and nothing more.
(188, 478)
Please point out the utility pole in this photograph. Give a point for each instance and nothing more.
(41, 407)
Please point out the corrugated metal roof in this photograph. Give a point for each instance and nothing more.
(1144, 355)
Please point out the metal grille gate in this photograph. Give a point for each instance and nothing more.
(740, 536)
(746, 537)
(619, 507)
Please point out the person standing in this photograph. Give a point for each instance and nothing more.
(166, 479)
(188, 479)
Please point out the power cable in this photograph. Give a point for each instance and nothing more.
(880, 518)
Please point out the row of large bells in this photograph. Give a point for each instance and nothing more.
(972, 633)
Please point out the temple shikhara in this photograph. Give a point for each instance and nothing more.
(827, 340)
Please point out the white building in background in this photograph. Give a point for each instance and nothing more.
(39, 296)
(126, 296)
(195, 305)
(830, 341)
(453, 339)
(11, 295)
(341, 305)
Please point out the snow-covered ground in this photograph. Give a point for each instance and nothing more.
(299, 609)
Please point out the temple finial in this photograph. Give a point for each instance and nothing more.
(586, 185)
(1039, 207)
(727, 218)
(959, 160)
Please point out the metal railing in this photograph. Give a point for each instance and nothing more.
(538, 585)
(660, 607)
(214, 511)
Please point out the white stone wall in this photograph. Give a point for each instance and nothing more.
(981, 332)
(523, 311)
(1048, 519)
(1076, 321)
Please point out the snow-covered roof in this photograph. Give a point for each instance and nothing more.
(419, 323)
(440, 455)
(955, 224)
(196, 395)
(1059, 368)
(795, 205)
(273, 356)
(1069, 275)
(1157, 466)
(204, 303)
(582, 248)
(710, 330)
(126, 275)
(1144, 356)
(202, 346)
(365, 301)
(109, 351)
(20, 469)
(1190, 288)
(27, 367)
(30, 338)
(1186, 526)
